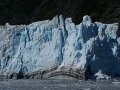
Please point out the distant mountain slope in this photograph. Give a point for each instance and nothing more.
(27, 11)
(49, 8)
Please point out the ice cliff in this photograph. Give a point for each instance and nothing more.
(60, 43)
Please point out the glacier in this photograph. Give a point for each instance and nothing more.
(60, 43)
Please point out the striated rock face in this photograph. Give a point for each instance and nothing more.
(60, 43)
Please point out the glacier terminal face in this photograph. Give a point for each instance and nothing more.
(90, 47)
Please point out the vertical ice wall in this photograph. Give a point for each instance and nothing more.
(60, 43)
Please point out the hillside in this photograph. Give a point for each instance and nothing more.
(27, 11)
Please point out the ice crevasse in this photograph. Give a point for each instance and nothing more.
(59, 42)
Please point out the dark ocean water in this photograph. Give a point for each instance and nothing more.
(63, 84)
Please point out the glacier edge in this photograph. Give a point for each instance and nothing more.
(60, 43)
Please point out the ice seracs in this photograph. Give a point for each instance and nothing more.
(87, 21)
(100, 76)
(60, 43)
